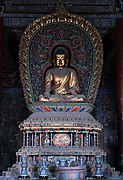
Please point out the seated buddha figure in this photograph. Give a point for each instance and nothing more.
(61, 82)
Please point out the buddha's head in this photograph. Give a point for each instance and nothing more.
(60, 56)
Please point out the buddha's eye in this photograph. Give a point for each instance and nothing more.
(60, 57)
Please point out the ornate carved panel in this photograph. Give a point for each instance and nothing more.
(61, 27)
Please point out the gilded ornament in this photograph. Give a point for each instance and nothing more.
(61, 17)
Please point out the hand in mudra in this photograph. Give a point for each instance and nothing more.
(47, 95)
(72, 92)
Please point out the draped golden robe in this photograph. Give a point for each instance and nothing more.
(62, 84)
(60, 81)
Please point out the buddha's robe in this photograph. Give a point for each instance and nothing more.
(60, 81)
(62, 84)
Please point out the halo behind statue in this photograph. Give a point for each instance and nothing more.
(60, 28)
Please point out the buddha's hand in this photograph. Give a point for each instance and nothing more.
(47, 95)
(72, 91)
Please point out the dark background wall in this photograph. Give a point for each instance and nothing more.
(16, 16)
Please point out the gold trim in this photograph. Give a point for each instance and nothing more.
(58, 17)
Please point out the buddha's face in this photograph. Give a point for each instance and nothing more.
(60, 60)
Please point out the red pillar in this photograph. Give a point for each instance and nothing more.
(119, 81)
(1, 52)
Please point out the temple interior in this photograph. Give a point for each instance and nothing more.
(27, 62)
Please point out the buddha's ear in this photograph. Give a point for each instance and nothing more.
(54, 63)
(66, 63)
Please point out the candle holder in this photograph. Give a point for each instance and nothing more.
(24, 173)
(98, 173)
(43, 172)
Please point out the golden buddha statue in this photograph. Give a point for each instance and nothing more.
(61, 82)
